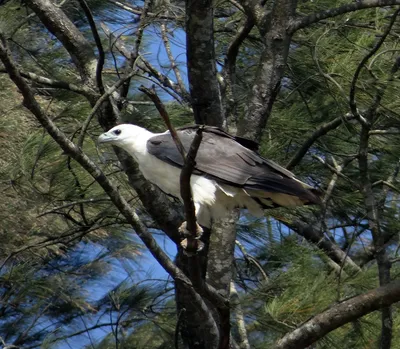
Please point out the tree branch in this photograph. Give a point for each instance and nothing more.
(139, 10)
(83, 90)
(338, 315)
(163, 112)
(72, 39)
(186, 191)
(352, 103)
(311, 234)
(240, 318)
(229, 71)
(270, 70)
(100, 62)
(319, 132)
(182, 89)
(132, 57)
(306, 21)
(99, 102)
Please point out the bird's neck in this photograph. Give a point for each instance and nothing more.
(137, 146)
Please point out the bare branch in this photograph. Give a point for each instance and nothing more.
(138, 10)
(306, 21)
(383, 132)
(163, 112)
(163, 79)
(131, 59)
(171, 58)
(352, 103)
(250, 259)
(72, 39)
(319, 132)
(100, 62)
(313, 235)
(270, 70)
(334, 170)
(338, 315)
(240, 322)
(84, 201)
(83, 90)
(115, 41)
(99, 102)
(186, 192)
(229, 72)
(253, 10)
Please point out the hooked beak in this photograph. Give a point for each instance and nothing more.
(106, 138)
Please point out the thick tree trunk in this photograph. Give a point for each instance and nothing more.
(270, 69)
(202, 72)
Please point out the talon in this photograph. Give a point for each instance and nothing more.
(186, 233)
(199, 245)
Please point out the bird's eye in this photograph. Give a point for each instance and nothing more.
(117, 132)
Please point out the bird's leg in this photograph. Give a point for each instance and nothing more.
(191, 242)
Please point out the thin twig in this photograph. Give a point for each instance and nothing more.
(86, 201)
(352, 102)
(135, 52)
(99, 102)
(164, 114)
(318, 133)
(171, 58)
(334, 170)
(306, 21)
(251, 260)
(100, 62)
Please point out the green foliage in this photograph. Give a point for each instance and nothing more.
(64, 243)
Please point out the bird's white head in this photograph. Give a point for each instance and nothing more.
(129, 137)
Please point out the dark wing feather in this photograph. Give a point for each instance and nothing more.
(225, 159)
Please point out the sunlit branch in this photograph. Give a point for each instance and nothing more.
(83, 90)
(171, 58)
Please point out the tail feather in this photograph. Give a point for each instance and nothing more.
(275, 199)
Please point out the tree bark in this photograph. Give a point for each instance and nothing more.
(80, 50)
(202, 72)
(333, 251)
(270, 70)
(338, 315)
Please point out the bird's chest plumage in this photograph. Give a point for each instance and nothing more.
(165, 176)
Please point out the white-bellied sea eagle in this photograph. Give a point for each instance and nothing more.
(229, 173)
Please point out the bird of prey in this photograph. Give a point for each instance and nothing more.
(229, 173)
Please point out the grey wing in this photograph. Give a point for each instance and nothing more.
(223, 158)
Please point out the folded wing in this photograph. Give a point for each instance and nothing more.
(233, 161)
